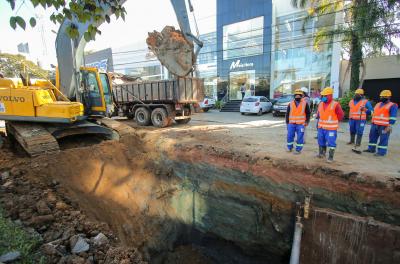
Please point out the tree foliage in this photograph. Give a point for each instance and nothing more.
(95, 11)
(12, 65)
(368, 29)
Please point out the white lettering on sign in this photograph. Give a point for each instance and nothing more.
(237, 64)
(101, 65)
(2, 108)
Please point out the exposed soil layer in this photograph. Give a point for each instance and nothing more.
(175, 202)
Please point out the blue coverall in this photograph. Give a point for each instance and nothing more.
(357, 126)
(294, 129)
(377, 132)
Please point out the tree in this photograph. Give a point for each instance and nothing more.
(12, 65)
(368, 29)
(83, 11)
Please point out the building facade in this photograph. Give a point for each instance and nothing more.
(296, 61)
(206, 67)
(261, 45)
(244, 47)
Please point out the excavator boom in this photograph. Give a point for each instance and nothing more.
(70, 52)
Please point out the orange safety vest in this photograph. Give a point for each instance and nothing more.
(381, 115)
(327, 117)
(355, 110)
(297, 114)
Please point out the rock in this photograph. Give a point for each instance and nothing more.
(68, 233)
(42, 208)
(78, 244)
(10, 256)
(5, 175)
(7, 184)
(42, 219)
(16, 171)
(61, 206)
(50, 249)
(100, 240)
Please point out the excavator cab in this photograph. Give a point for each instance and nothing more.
(95, 92)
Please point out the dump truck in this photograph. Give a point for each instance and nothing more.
(158, 102)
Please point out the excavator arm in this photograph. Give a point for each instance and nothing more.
(70, 52)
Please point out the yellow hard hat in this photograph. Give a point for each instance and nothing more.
(298, 91)
(359, 91)
(327, 91)
(386, 93)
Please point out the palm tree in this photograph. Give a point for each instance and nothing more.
(368, 29)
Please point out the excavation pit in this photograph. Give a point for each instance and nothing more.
(176, 202)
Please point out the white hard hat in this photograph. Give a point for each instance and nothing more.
(304, 89)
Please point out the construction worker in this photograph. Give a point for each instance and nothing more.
(297, 118)
(359, 109)
(329, 114)
(384, 116)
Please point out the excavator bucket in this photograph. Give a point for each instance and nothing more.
(173, 50)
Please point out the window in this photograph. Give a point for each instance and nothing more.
(250, 99)
(243, 39)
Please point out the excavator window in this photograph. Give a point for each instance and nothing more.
(106, 88)
(92, 90)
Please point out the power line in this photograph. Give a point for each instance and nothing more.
(258, 29)
(263, 45)
(261, 28)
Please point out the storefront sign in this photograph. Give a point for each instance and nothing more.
(238, 65)
(101, 65)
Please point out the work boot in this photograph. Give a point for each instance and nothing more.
(331, 154)
(352, 137)
(369, 151)
(322, 152)
(358, 140)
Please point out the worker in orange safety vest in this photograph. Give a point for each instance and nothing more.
(329, 114)
(297, 118)
(384, 116)
(359, 109)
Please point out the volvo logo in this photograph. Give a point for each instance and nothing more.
(15, 99)
(237, 64)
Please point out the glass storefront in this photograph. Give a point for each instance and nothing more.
(239, 78)
(296, 61)
(207, 63)
(243, 39)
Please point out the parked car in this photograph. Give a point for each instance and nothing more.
(281, 104)
(255, 105)
(207, 103)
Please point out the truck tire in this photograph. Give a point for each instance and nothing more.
(160, 118)
(183, 121)
(205, 110)
(142, 116)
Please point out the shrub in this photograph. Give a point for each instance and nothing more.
(344, 102)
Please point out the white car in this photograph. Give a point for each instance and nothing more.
(207, 103)
(255, 105)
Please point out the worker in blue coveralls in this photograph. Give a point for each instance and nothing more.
(384, 116)
(297, 118)
(359, 109)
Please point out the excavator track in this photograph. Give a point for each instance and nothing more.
(121, 128)
(33, 138)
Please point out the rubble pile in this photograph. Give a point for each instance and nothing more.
(66, 234)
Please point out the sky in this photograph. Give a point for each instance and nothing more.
(142, 17)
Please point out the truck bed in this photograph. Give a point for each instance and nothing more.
(179, 90)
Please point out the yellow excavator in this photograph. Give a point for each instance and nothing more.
(39, 113)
